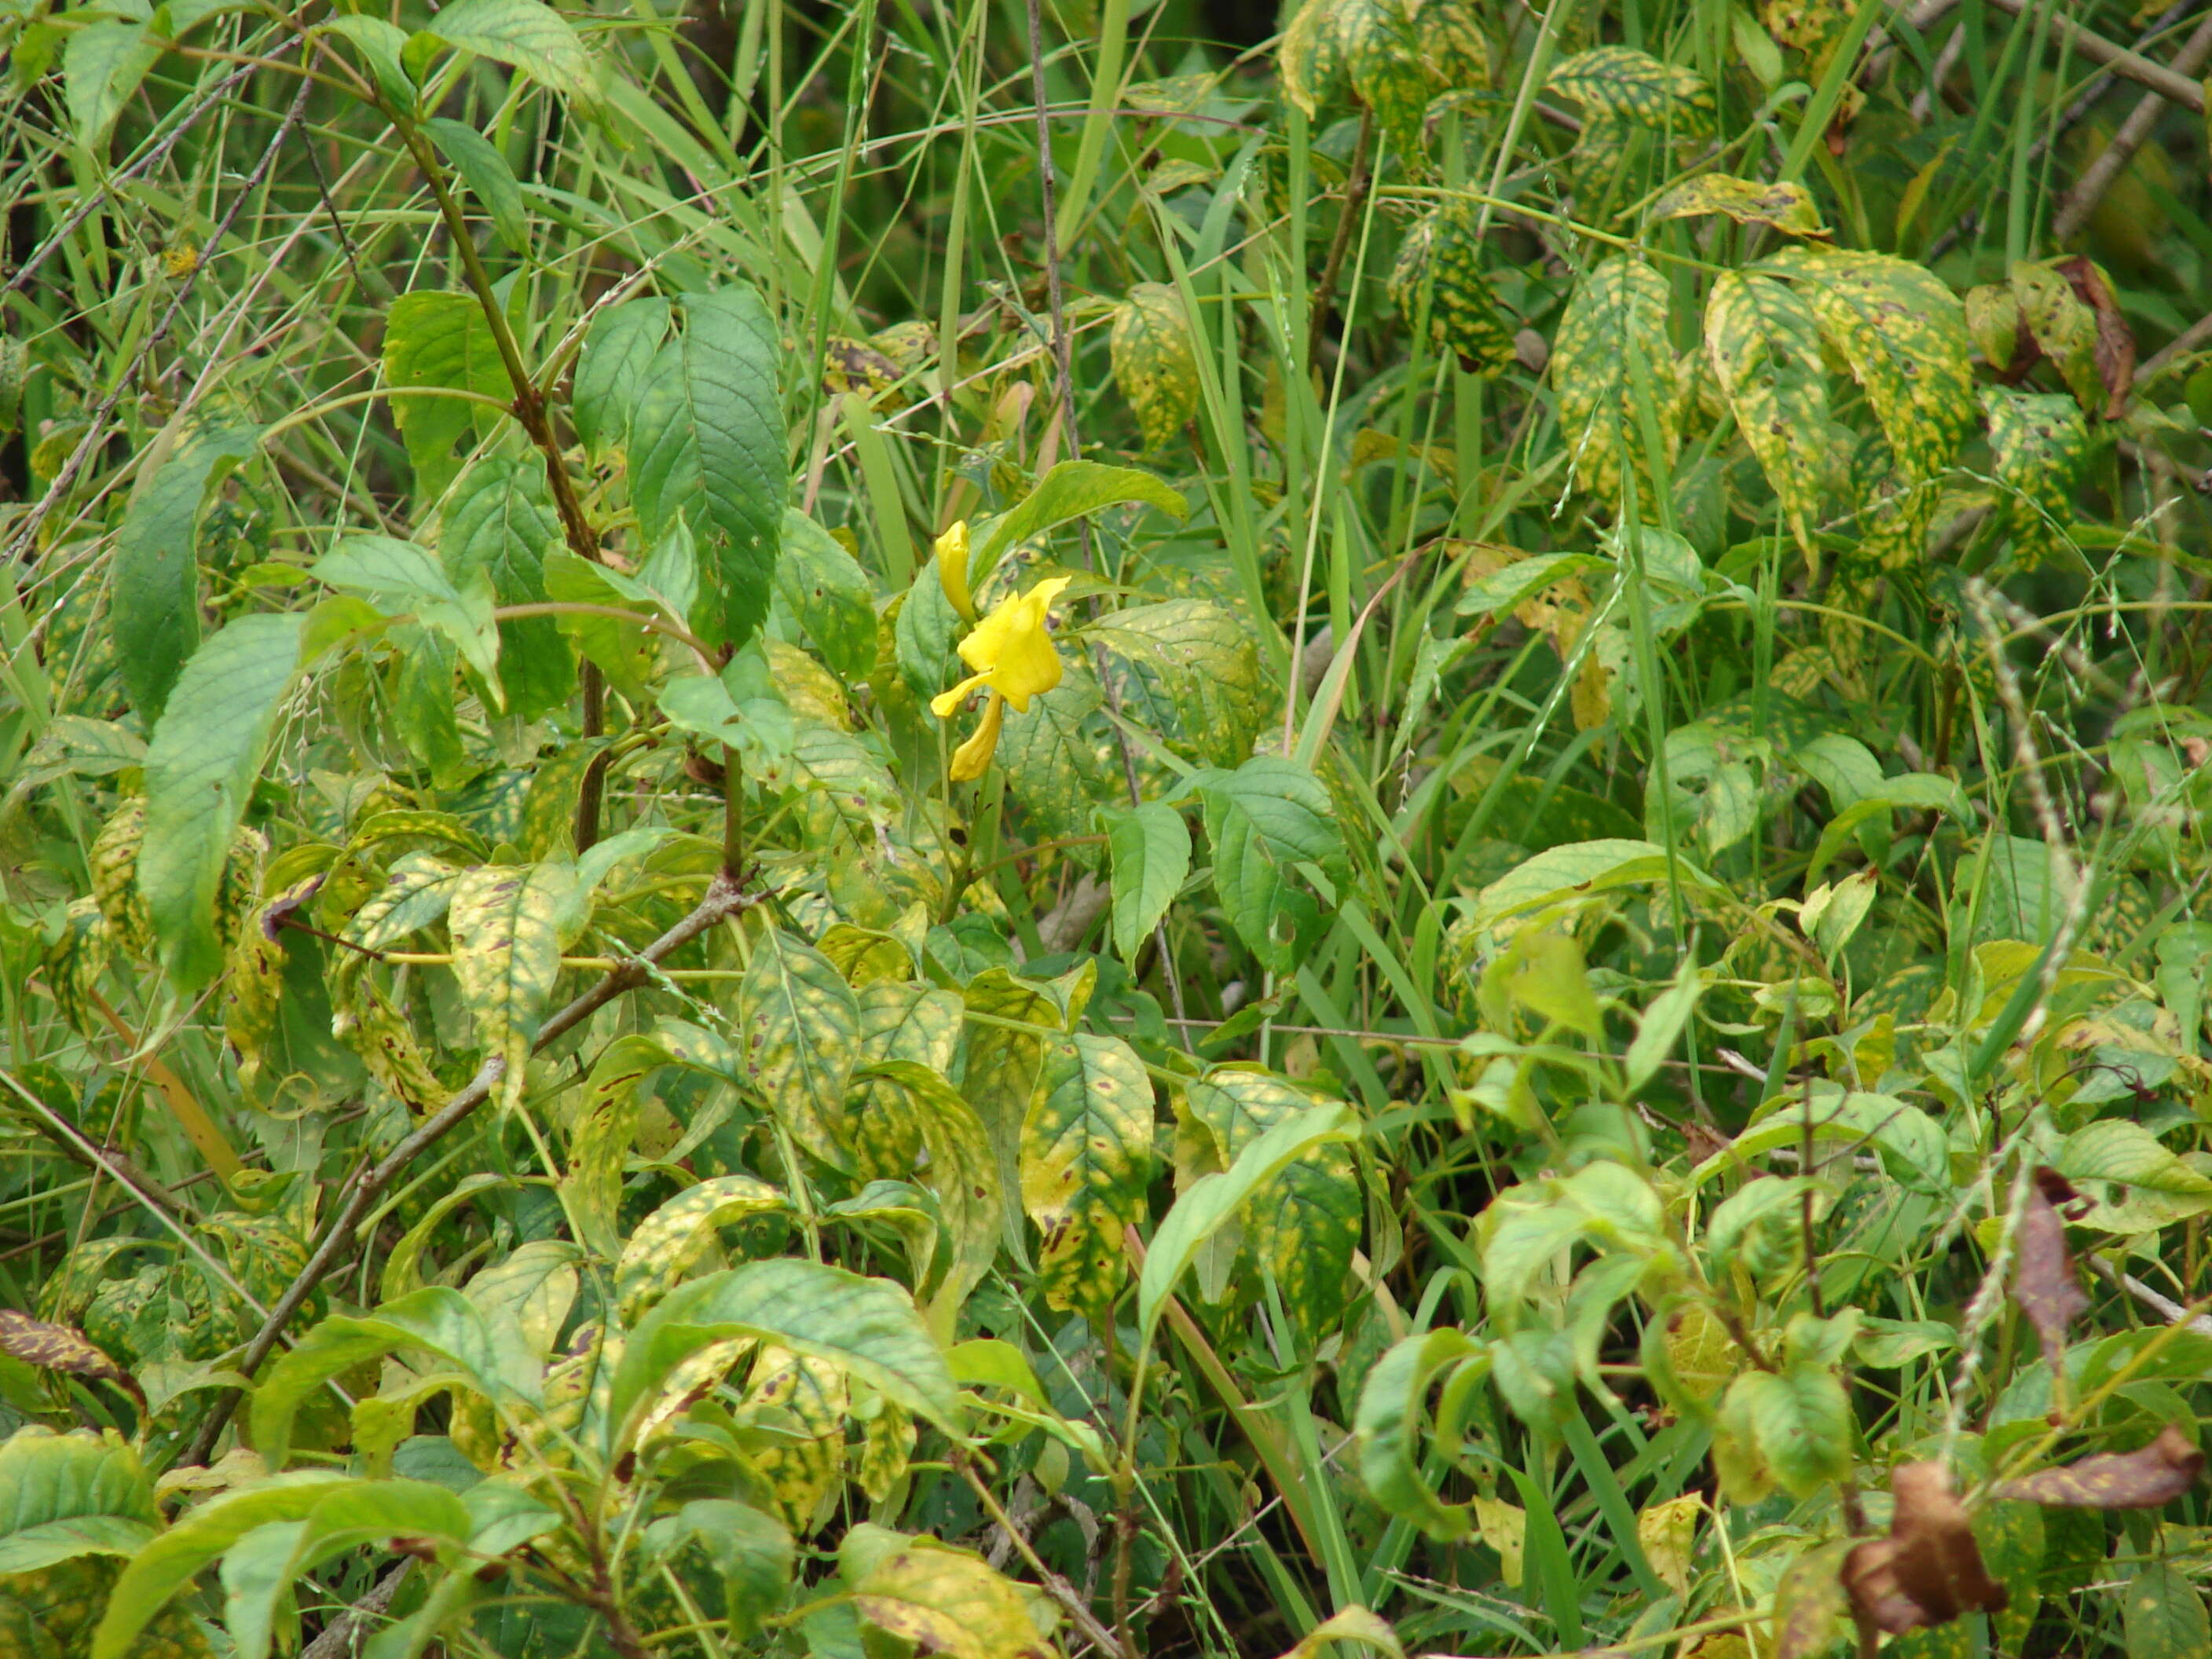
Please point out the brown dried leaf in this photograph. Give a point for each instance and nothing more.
(1929, 1571)
(62, 1348)
(2116, 341)
(2145, 1479)
(2044, 1281)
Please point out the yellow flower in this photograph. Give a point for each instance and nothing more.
(952, 550)
(1011, 651)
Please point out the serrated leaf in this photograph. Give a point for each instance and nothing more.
(825, 592)
(200, 769)
(1764, 342)
(801, 1029)
(439, 339)
(525, 34)
(103, 63)
(492, 181)
(68, 1495)
(611, 367)
(1262, 819)
(1440, 262)
(1155, 363)
(500, 519)
(154, 611)
(505, 923)
(1186, 670)
(706, 442)
(1150, 846)
(1086, 1157)
(1616, 321)
(1903, 334)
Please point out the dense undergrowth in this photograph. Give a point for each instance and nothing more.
(1415, 862)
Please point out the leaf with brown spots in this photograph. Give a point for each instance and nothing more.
(2116, 341)
(1929, 1571)
(2044, 1281)
(2145, 1479)
(53, 1348)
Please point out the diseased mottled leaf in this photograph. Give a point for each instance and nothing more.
(2043, 1282)
(1786, 207)
(1764, 345)
(2145, 1479)
(935, 1598)
(1613, 366)
(801, 1029)
(1624, 91)
(1154, 362)
(1440, 262)
(1086, 1155)
(54, 1347)
(1928, 1569)
(2041, 445)
(2162, 1613)
(506, 923)
(670, 1241)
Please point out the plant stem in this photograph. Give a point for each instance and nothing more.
(1355, 202)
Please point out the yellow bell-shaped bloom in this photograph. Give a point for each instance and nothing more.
(1011, 651)
(952, 551)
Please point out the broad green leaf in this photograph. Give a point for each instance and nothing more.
(1213, 1198)
(500, 519)
(382, 45)
(740, 707)
(1263, 819)
(801, 1031)
(439, 339)
(260, 1569)
(206, 752)
(826, 594)
(1072, 490)
(103, 63)
(622, 650)
(1904, 334)
(1664, 1020)
(535, 1287)
(1614, 367)
(706, 440)
(750, 1549)
(2162, 1613)
(1912, 1146)
(1764, 344)
(1155, 362)
(403, 578)
(1392, 1414)
(937, 1598)
(64, 1495)
(480, 161)
(1188, 670)
(505, 923)
(670, 1241)
(2041, 445)
(1785, 206)
(1149, 846)
(867, 1328)
(1086, 1157)
(436, 1321)
(1574, 870)
(525, 34)
(611, 369)
(1801, 1422)
(155, 608)
(1440, 262)
(2137, 1183)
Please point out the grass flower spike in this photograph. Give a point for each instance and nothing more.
(1011, 651)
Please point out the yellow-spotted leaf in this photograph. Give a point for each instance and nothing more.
(604, 1131)
(1394, 56)
(887, 1443)
(1614, 367)
(1903, 334)
(1303, 1227)
(113, 861)
(2041, 443)
(379, 1032)
(801, 1029)
(506, 927)
(1154, 361)
(673, 1239)
(803, 1402)
(1440, 265)
(952, 1156)
(1623, 91)
(1086, 1158)
(936, 1599)
(910, 1023)
(1764, 344)
(1187, 671)
(1783, 206)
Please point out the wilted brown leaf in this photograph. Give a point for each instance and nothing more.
(61, 1348)
(2115, 342)
(1928, 1569)
(2143, 1479)
(2044, 1281)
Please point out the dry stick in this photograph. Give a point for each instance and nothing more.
(1063, 355)
(724, 898)
(2178, 89)
(2167, 1308)
(95, 433)
(341, 1636)
(2081, 201)
(1355, 202)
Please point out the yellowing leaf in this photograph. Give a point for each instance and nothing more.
(506, 955)
(939, 1599)
(1787, 207)
(1441, 262)
(801, 1031)
(1154, 361)
(1614, 367)
(1086, 1154)
(1764, 344)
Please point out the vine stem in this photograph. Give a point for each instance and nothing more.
(724, 898)
(1355, 202)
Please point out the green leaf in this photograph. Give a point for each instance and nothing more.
(622, 650)
(102, 64)
(1086, 1157)
(1575, 870)
(1801, 1422)
(437, 339)
(1150, 849)
(206, 752)
(1387, 1428)
(404, 579)
(500, 519)
(935, 1598)
(826, 594)
(1764, 344)
(750, 1550)
(801, 1029)
(1263, 819)
(156, 609)
(1904, 334)
(739, 707)
(505, 923)
(66, 1495)
(524, 35)
(1212, 1200)
(1612, 367)
(2162, 1613)
(706, 442)
(1155, 362)
(480, 163)
(1440, 262)
(612, 368)
(867, 1328)
(1186, 670)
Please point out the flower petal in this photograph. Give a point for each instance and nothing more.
(945, 703)
(973, 758)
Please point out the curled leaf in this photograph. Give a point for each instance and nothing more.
(1929, 1571)
(2145, 1479)
(2044, 1281)
(62, 1348)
